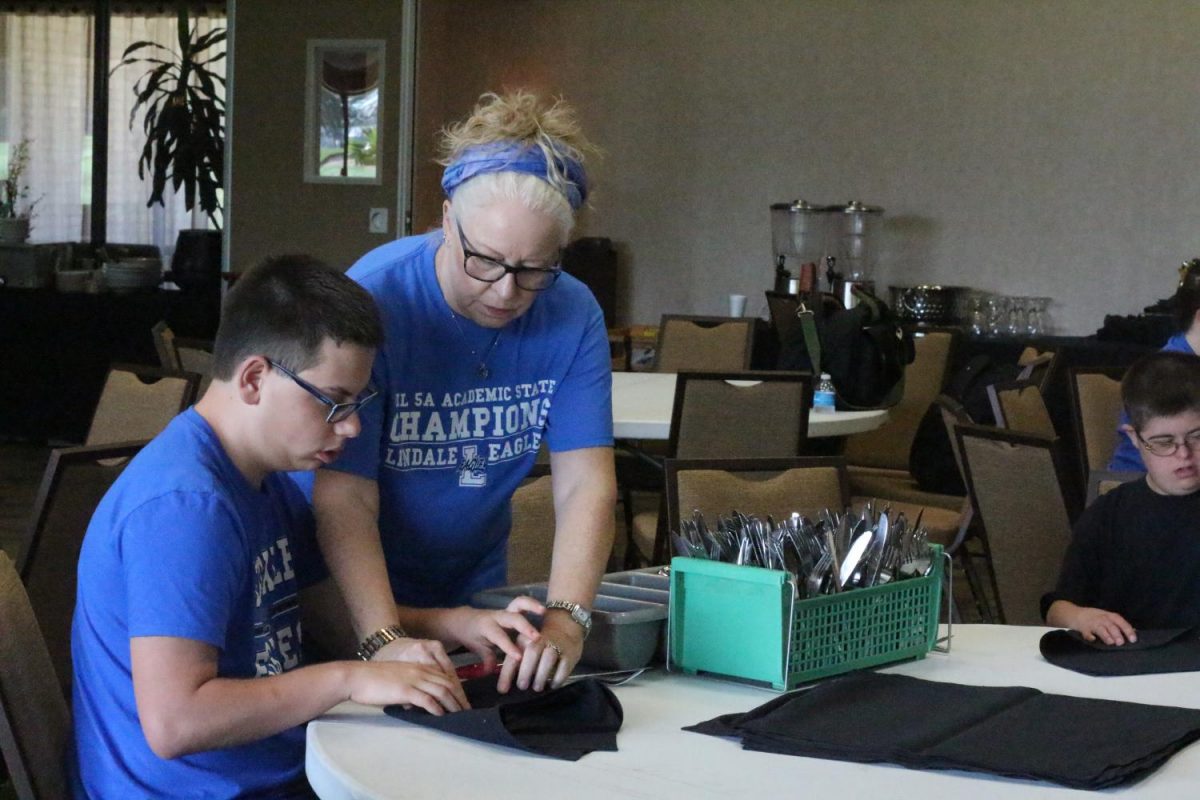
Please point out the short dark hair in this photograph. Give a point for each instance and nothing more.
(1186, 301)
(285, 308)
(1161, 384)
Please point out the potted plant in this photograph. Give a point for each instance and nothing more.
(15, 210)
(184, 116)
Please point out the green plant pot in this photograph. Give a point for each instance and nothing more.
(14, 231)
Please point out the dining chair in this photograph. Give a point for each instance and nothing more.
(1020, 406)
(1103, 481)
(1038, 367)
(164, 346)
(35, 721)
(718, 344)
(75, 480)
(1095, 411)
(759, 486)
(879, 460)
(748, 414)
(1016, 484)
(137, 402)
(196, 355)
(969, 544)
(531, 541)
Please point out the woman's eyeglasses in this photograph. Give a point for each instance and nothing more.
(337, 411)
(489, 270)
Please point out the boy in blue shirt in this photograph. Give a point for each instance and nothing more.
(1134, 558)
(186, 634)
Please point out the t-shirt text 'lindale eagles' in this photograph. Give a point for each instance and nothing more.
(431, 430)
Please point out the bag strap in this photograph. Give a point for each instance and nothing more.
(812, 340)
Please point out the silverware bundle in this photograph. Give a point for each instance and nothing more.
(834, 553)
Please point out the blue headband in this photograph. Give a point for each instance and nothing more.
(515, 157)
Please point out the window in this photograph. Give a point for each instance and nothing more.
(46, 96)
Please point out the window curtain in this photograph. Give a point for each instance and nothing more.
(45, 96)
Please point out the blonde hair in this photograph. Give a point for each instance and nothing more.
(519, 117)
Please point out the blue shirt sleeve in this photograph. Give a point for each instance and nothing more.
(185, 564)
(1125, 457)
(581, 411)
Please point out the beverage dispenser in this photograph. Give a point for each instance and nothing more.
(853, 250)
(799, 233)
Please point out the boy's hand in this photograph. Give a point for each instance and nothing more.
(381, 683)
(1110, 627)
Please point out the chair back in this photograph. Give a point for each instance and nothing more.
(1016, 486)
(888, 446)
(75, 480)
(1103, 481)
(35, 723)
(1038, 367)
(1020, 406)
(740, 414)
(721, 344)
(531, 542)
(137, 403)
(165, 347)
(782, 309)
(760, 486)
(1095, 410)
(196, 355)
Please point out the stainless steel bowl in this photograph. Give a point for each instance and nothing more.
(927, 303)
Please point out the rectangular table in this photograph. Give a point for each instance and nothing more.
(358, 752)
(642, 403)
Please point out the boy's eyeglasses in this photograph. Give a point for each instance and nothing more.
(489, 270)
(337, 411)
(1169, 445)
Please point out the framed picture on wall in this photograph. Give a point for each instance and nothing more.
(343, 129)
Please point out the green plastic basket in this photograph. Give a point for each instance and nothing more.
(743, 622)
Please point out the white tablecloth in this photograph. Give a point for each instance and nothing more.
(358, 752)
(642, 404)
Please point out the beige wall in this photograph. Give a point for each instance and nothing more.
(1024, 146)
(272, 210)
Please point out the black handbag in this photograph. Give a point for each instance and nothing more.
(864, 349)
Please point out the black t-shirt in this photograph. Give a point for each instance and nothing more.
(1137, 553)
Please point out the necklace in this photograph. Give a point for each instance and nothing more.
(482, 369)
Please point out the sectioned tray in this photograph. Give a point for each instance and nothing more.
(628, 618)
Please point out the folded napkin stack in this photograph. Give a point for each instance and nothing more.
(565, 723)
(1012, 731)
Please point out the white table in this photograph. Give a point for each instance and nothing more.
(358, 752)
(642, 403)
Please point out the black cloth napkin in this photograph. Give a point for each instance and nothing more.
(567, 723)
(1155, 651)
(1011, 731)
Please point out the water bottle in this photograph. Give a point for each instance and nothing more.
(824, 398)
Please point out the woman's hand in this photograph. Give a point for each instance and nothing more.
(483, 632)
(546, 660)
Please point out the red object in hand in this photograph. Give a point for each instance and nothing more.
(470, 672)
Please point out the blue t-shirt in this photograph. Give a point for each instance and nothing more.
(182, 545)
(449, 447)
(1126, 457)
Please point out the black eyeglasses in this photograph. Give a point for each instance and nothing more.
(489, 270)
(1168, 445)
(337, 411)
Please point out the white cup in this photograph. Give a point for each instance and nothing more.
(737, 305)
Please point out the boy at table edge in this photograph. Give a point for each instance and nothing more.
(188, 677)
(1134, 557)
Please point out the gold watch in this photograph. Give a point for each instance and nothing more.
(377, 640)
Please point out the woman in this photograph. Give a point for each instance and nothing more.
(489, 350)
(1125, 457)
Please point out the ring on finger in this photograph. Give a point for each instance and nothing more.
(557, 650)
